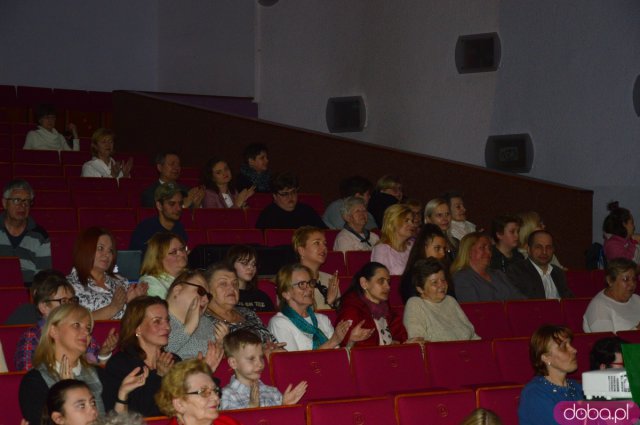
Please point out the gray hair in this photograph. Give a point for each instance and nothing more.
(350, 203)
(17, 184)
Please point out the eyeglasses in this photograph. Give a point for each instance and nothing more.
(70, 300)
(20, 201)
(247, 263)
(617, 364)
(201, 291)
(287, 193)
(205, 392)
(183, 250)
(304, 284)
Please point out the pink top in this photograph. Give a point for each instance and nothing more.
(394, 260)
(617, 246)
(215, 200)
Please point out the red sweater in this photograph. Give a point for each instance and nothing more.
(220, 420)
(353, 308)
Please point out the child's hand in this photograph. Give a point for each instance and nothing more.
(254, 398)
(293, 395)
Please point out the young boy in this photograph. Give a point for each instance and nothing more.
(255, 170)
(244, 353)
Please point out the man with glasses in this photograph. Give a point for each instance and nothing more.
(20, 236)
(286, 212)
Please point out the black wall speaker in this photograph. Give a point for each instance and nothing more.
(478, 53)
(346, 114)
(511, 152)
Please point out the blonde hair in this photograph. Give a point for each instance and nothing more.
(302, 235)
(98, 135)
(283, 279)
(157, 249)
(387, 181)
(45, 353)
(464, 252)
(174, 383)
(431, 206)
(530, 221)
(393, 219)
(482, 416)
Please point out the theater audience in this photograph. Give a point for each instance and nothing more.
(169, 198)
(244, 353)
(219, 191)
(616, 307)
(286, 212)
(504, 230)
(96, 285)
(433, 315)
(367, 302)
(50, 289)
(223, 307)
(459, 224)
(310, 246)
(396, 239)
(244, 260)
(144, 332)
(164, 259)
(60, 355)
(619, 229)
(20, 235)
(530, 222)
(388, 192)
(473, 279)
(552, 358)
(430, 243)
(298, 325)
(535, 276)
(168, 165)
(356, 187)
(46, 137)
(189, 396)
(255, 170)
(437, 212)
(606, 353)
(417, 209)
(102, 164)
(354, 235)
(69, 402)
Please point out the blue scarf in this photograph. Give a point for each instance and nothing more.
(298, 321)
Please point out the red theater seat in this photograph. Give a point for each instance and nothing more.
(110, 218)
(356, 259)
(488, 318)
(11, 272)
(235, 236)
(10, 335)
(434, 408)
(573, 310)
(278, 237)
(9, 405)
(62, 243)
(502, 400)
(526, 316)
(370, 411)
(512, 356)
(219, 218)
(12, 297)
(457, 364)
(56, 218)
(334, 262)
(276, 415)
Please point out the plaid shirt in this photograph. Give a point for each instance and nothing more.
(29, 341)
(237, 395)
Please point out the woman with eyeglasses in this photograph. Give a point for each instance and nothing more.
(50, 289)
(192, 333)
(223, 307)
(220, 192)
(60, 355)
(189, 396)
(298, 325)
(617, 306)
(164, 259)
(97, 286)
(244, 258)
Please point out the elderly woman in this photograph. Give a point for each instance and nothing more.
(395, 243)
(144, 332)
(219, 192)
(244, 258)
(164, 259)
(430, 243)
(92, 277)
(354, 236)
(472, 277)
(619, 229)
(60, 355)
(192, 332)
(223, 307)
(298, 325)
(459, 226)
(189, 396)
(310, 246)
(70, 402)
(433, 315)
(46, 137)
(367, 301)
(102, 164)
(616, 307)
(437, 212)
(552, 357)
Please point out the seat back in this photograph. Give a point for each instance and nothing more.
(326, 371)
(110, 218)
(276, 415)
(582, 284)
(356, 259)
(53, 198)
(10, 335)
(502, 400)
(455, 364)
(371, 411)
(9, 405)
(512, 356)
(314, 200)
(573, 310)
(333, 262)
(632, 336)
(43, 170)
(488, 318)
(269, 287)
(398, 368)
(12, 298)
(11, 272)
(583, 342)
(330, 236)
(434, 408)
(278, 237)
(36, 156)
(62, 243)
(526, 316)
(91, 183)
(235, 236)
(220, 218)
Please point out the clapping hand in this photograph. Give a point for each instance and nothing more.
(254, 397)
(109, 343)
(164, 362)
(214, 354)
(359, 333)
(333, 289)
(293, 395)
(65, 368)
